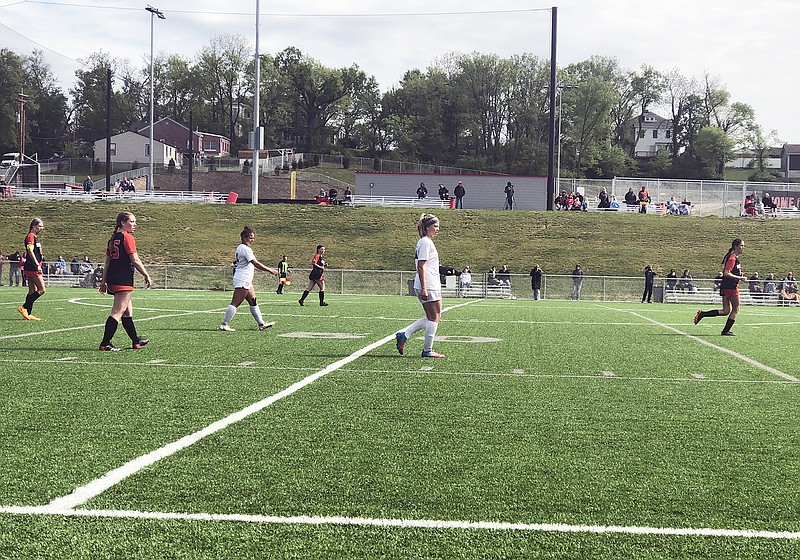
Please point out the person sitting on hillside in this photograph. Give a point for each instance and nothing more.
(749, 206)
(561, 201)
(672, 206)
(605, 200)
(348, 196)
(672, 280)
(422, 192)
(685, 208)
(444, 194)
(770, 286)
(788, 294)
(332, 194)
(754, 285)
(613, 205)
(769, 205)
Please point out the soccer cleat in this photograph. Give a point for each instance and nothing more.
(300, 301)
(265, 326)
(227, 328)
(728, 333)
(324, 304)
(23, 312)
(401, 341)
(32, 318)
(109, 348)
(142, 342)
(698, 316)
(431, 354)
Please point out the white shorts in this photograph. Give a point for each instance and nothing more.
(433, 295)
(245, 283)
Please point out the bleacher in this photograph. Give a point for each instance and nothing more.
(75, 192)
(400, 201)
(708, 295)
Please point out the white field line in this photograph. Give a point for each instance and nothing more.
(96, 487)
(100, 325)
(736, 355)
(410, 523)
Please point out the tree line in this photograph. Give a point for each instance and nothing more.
(474, 110)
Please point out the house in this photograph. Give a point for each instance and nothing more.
(649, 133)
(745, 159)
(790, 161)
(204, 144)
(129, 147)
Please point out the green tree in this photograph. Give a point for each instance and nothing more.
(46, 110)
(713, 148)
(12, 68)
(89, 100)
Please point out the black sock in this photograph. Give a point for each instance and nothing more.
(29, 299)
(111, 328)
(130, 328)
(321, 297)
(304, 296)
(712, 313)
(728, 324)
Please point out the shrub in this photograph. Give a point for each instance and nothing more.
(345, 162)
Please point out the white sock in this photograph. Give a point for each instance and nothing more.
(255, 311)
(417, 325)
(430, 333)
(229, 313)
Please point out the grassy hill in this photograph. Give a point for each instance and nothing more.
(384, 238)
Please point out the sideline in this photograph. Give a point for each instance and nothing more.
(83, 494)
(411, 523)
(736, 355)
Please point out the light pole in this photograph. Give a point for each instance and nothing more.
(153, 12)
(560, 91)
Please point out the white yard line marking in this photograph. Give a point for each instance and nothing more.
(411, 523)
(246, 364)
(518, 372)
(96, 487)
(698, 376)
(156, 361)
(66, 359)
(426, 368)
(736, 355)
(609, 374)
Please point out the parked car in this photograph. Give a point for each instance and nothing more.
(9, 159)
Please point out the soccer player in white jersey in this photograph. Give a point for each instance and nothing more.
(428, 287)
(245, 265)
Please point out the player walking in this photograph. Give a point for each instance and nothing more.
(729, 288)
(428, 287)
(246, 263)
(121, 259)
(32, 269)
(316, 277)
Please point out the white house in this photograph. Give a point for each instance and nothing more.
(130, 146)
(651, 134)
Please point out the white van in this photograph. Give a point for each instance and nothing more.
(10, 159)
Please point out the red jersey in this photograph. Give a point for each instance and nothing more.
(120, 266)
(32, 240)
(731, 264)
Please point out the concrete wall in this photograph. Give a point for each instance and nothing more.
(482, 191)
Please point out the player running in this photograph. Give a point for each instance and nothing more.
(316, 277)
(729, 288)
(32, 269)
(245, 264)
(121, 259)
(428, 287)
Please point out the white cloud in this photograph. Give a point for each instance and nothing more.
(748, 45)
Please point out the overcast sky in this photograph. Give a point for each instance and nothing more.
(750, 46)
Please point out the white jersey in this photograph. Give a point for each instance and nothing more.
(243, 275)
(426, 251)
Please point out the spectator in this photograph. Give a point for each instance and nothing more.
(644, 199)
(605, 200)
(14, 260)
(770, 205)
(770, 286)
(536, 282)
(788, 291)
(577, 282)
(75, 266)
(61, 266)
(561, 201)
(749, 206)
(444, 194)
(509, 192)
(649, 280)
(86, 265)
(491, 277)
(685, 284)
(672, 206)
(630, 197)
(614, 205)
(465, 279)
(459, 193)
(718, 281)
(322, 193)
(332, 196)
(348, 195)
(504, 275)
(685, 207)
(422, 192)
(672, 280)
(88, 185)
(754, 285)
(2, 261)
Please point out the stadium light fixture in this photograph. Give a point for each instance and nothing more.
(153, 12)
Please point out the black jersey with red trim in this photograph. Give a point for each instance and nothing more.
(731, 264)
(120, 266)
(317, 267)
(32, 239)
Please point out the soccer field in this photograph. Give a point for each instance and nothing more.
(552, 429)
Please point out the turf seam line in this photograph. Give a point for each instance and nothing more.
(84, 493)
(736, 355)
(409, 523)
